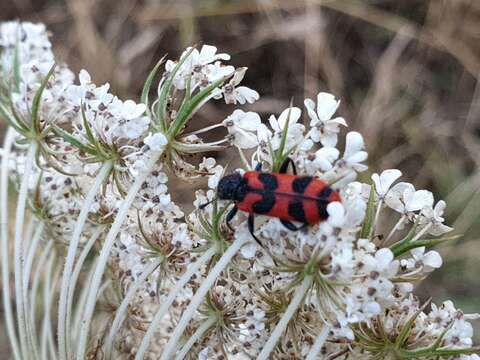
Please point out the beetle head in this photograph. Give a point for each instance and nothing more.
(228, 186)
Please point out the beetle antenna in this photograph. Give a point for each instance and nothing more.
(204, 205)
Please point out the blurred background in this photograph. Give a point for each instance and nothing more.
(406, 72)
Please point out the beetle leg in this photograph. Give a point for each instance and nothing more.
(251, 228)
(231, 214)
(290, 226)
(284, 167)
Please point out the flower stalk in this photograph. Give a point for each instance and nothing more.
(121, 312)
(199, 296)
(318, 344)
(292, 308)
(71, 253)
(7, 304)
(197, 335)
(73, 282)
(172, 295)
(35, 240)
(19, 251)
(33, 296)
(104, 253)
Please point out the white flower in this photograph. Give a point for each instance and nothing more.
(248, 250)
(336, 214)
(354, 154)
(440, 316)
(428, 261)
(384, 181)
(84, 77)
(133, 129)
(383, 264)
(404, 199)
(460, 334)
(255, 322)
(215, 172)
(356, 285)
(288, 116)
(200, 68)
(435, 218)
(470, 357)
(127, 110)
(322, 160)
(26, 41)
(206, 55)
(240, 94)
(324, 128)
(243, 127)
(156, 142)
(346, 216)
(295, 131)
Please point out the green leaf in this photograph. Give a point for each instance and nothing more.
(7, 115)
(399, 247)
(86, 125)
(37, 99)
(369, 214)
(23, 123)
(408, 326)
(279, 153)
(144, 98)
(101, 151)
(402, 247)
(188, 109)
(205, 224)
(196, 148)
(165, 91)
(439, 353)
(217, 221)
(73, 141)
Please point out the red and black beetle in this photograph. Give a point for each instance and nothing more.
(284, 196)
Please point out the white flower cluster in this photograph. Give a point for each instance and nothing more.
(158, 283)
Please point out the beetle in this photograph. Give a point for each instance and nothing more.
(281, 195)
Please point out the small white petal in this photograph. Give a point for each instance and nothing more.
(354, 143)
(384, 181)
(156, 142)
(419, 199)
(84, 77)
(326, 106)
(336, 213)
(245, 94)
(432, 259)
(310, 106)
(290, 115)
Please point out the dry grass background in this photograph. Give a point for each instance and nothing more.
(406, 71)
